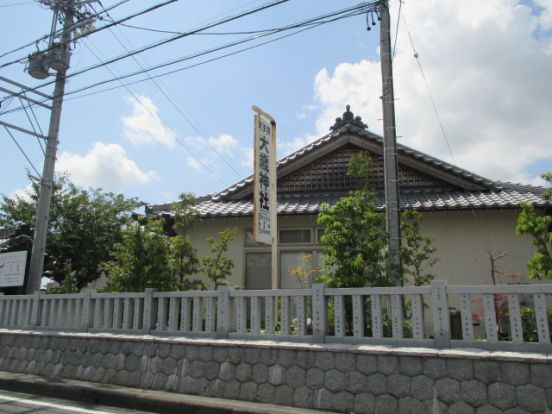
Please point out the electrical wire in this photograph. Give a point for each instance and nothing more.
(183, 68)
(35, 89)
(485, 234)
(165, 41)
(17, 4)
(32, 124)
(71, 27)
(397, 29)
(309, 23)
(82, 35)
(22, 151)
(207, 166)
(430, 95)
(175, 106)
(149, 29)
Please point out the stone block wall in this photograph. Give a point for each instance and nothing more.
(342, 378)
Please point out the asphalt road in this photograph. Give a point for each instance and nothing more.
(22, 403)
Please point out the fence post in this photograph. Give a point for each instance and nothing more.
(87, 318)
(223, 312)
(2, 309)
(34, 310)
(150, 311)
(441, 319)
(319, 327)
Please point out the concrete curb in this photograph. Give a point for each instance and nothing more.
(135, 398)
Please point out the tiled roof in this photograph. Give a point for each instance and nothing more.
(489, 194)
(401, 149)
(426, 199)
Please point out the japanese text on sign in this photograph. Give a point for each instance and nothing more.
(264, 156)
(12, 268)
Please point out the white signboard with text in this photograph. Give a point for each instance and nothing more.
(264, 177)
(12, 268)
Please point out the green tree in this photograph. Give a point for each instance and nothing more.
(354, 242)
(417, 250)
(83, 227)
(185, 213)
(217, 266)
(140, 260)
(182, 255)
(539, 227)
(355, 239)
(68, 284)
(184, 263)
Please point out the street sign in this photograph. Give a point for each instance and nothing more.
(264, 177)
(12, 268)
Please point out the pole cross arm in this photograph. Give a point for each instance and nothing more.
(26, 131)
(22, 95)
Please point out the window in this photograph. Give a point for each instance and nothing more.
(289, 261)
(296, 236)
(319, 234)
(258, 269)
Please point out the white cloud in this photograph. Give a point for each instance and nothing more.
(489, 76)
(23, 193)
(144, 126)
(193, 163)
(217, 152)
(105, 166)
(292, 145)
(224, 144)
(545, 17)
(248, 157)
(306, 111)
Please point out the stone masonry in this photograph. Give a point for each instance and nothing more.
(348, 379)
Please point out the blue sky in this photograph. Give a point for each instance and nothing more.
(487, 65)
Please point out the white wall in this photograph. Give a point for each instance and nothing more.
(463, 240)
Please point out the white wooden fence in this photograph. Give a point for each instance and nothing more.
(509, 317)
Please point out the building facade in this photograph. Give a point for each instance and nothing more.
(469, 218)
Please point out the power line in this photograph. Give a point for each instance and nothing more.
(17, 4)
(80, 36)
(149, 29)
(169, 40)
(397, 28)
(40, 39)
(311, 23)
(435, 110)
(35, 89)
(32, 124)
(484, 235)
(208, 167)
(22, 151)
(175, 106)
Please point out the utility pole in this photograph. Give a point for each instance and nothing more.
(47, 180)
(392, 207)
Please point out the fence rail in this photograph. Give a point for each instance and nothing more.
(510, 317)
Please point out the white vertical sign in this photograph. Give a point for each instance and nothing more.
(264, 177)
(265, 215)
(12, 268)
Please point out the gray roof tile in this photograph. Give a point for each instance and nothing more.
(423, 199)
